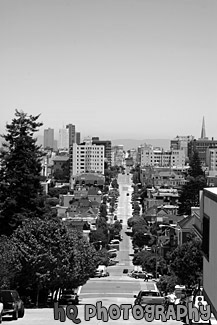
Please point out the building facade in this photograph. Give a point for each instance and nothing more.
(162, 158)
(118, 155)
(107, 148)
(63, 141)
(181, 143)
(49, 139)
(209, 244)
(87, 157)
(71, 130)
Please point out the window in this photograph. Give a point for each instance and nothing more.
(206, 235)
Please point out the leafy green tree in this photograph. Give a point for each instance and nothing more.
(100, 234)
(20, 173)
(186, 262)
(101, 257)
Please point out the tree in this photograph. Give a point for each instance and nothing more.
(167, 283)
(190, 194)
(20, 173)
(195, 169)
(63, 174)
(51, 257)
(186, 262)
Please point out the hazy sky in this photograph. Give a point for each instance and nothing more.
(114, 68)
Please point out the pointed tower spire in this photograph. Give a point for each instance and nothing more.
(203, 131)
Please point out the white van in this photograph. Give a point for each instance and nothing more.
(101, 271)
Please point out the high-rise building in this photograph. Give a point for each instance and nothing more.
(78, 137)
(71, 129)
(63, 141)
(87, 157)
(49, 138)
(108, 147)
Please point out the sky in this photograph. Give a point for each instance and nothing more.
(137, 69)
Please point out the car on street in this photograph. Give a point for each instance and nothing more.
(138, 274)
(68, 297)
(149, 297)
(12, 304)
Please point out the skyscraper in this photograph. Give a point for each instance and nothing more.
(63, 141)
(49, 138)
(71, 129)
(78, 137)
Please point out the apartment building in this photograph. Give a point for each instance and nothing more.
(118, 155)
(160, 157)
(87, 157)
(208, 227)
(107, 148)
(211, 161)
(181, 143)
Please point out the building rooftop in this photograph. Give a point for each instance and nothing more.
(60, 158)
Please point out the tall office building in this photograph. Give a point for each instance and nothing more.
(181, 143)
(71, 129)
(78, 137)
(49, 138)
(108, 148)
(63, 141)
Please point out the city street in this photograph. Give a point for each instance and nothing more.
(117, 289)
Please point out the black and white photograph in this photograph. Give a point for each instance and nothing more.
(108, 162)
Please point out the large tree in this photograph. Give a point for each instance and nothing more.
(20, 173)
(51, 256)
(190, 193)
(195, 169)
(186, 262)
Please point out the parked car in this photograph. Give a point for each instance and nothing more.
(68, 297)
(1, 310)
(12, 304)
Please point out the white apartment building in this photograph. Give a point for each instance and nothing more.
(118, 155)
(87, 157)
(159, 157)
(63, 140)
(211, 161)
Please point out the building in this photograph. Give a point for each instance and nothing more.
(78, 137)
(107, 148)
(211, 161)
(71, 130)
(201, 146)
(87, 157)
(63, 141)
(207, 227)
(59, 162)
(118, 155)
(160, 157)
(49, 139)
(88, 180)
(181, 143)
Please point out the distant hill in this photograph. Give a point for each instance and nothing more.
(132, 143)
